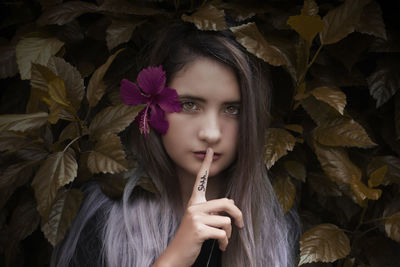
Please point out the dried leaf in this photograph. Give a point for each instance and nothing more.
(342, 132)
(295, 128)
(310, 8)
(8, 61)
(279, 142)
(336, 164)
(207, 18)
(323, 243)
(59, 169)
(75, 88)
(249, 36)
(323, 185)
(66, 12)
(306, 26)
(333, 97)
(120, 31)
(296, 169)
(376, 177)
(318, 110)
(285, 192)
(108, 156)
(362, 192)
(113, 119)
(63, 211)
(392, 227)
(341, 21)
(384, 83)
(35, 49)
(96, 87)
(22, 122)
(393, 168)
(371, 21)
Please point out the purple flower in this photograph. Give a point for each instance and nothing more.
(155, 95)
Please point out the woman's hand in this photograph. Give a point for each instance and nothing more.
(202, 220)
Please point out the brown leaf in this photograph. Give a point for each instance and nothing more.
(35, 48)
(113, 119)
(279, 142)
(392, 227)
(376, 177)
(108, 155)
(336, 164)
(342, 132)
(22, 122)
(297, 128)
(397, 116)
(341, 21)
(59, 169)
(120, 31)
(393, 168)
(71, 131)
(318, 110)
(75, 88)
(126, 7)
(362, 192)
(332, 96)
(63, 211)
(8, 61)
(296, 169)
(66, 12)
(207, 18)
(306, 26)
(16, 174)
(96, 87)
(249, 36)
(13, 140)
(285, 192)
(310, 8)
(323, 185)
(24, 220)
(371, 21)
(323, 243)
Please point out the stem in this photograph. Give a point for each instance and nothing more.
(303, 76)
(362, 218)
(70, 143)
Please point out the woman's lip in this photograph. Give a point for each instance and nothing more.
(201, 155)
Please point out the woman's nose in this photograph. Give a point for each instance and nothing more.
(210, 131)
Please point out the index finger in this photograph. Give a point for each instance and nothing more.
(200, 185)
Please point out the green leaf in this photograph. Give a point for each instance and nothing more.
(278, 143)
(113, 119)
(371, 21)
(362, 192)
(296, 169)
(318, 110)
(108, 156)
(66, 12)
(332, 96)
(120, 31)
(310, 8)
(35, 48)
(8, 61)
(63, 211)
(306, 26)
(96, 87)
(342, 132)
(59, 169)
(392, 227)
(323, 185)
(207, 18)
(384, 82)
(285, 192)
(250, 37)
(22, 122)
(323, 243)
(336, 164)
(341, 21)
(73, 81)
(376, 177)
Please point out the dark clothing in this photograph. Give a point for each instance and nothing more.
(202, 259)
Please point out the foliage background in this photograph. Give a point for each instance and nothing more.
(333, 147)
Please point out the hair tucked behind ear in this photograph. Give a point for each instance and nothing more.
(138, 228)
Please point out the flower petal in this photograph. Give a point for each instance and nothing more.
(157, 120)
(152, 80)
(130, 93)
(168, 100)
(143, 121)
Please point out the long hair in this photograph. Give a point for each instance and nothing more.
(137, 229)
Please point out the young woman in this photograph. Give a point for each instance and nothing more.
(206, 159)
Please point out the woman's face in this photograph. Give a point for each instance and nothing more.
(210, 98)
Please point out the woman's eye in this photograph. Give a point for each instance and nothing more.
(233, 110)
(189, 106)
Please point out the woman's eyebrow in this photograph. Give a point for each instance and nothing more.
(199, 99)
